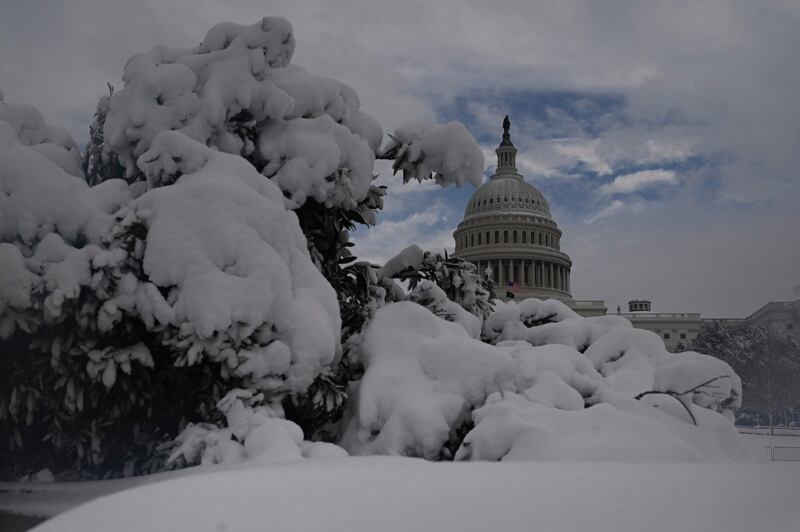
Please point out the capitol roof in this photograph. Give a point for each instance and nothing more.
(506, 191)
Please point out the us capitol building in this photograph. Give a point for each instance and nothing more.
(509, 233)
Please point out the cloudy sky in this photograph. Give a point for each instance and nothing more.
(665, 135)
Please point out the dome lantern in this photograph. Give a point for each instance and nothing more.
(506, 152)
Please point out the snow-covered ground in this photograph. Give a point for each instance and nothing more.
(388, 493)
(788, 440)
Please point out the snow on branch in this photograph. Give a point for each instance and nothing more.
(447, 153)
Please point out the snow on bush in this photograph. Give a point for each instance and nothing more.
(105, 296)
(229, 275)
(51, 223)
(237, 92)
(444, 152)
(426, 381)
(254, 433)
(31, 130)
(429, 295)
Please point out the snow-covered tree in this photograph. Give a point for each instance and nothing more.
(768, 364)
(211, 255)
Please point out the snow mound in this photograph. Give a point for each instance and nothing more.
(255, 433)
(528, 311)
(427, 380)
(514, 427)
(365, 494)
(228, 274)
(429, 295)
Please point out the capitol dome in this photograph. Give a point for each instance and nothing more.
(509, 233)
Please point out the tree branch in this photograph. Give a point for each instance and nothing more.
(677, 395)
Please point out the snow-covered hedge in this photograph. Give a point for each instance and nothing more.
(593, 388)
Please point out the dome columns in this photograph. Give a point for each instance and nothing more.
(535, 277)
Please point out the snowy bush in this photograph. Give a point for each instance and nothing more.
(254, 433)
(598, 389)
(201, 282)
(211, 253)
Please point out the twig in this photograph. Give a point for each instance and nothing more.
(677, 395)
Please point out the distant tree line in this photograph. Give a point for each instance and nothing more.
(769, 366)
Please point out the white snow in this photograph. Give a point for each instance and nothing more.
(426, 378)
(446, 152)
(236, 266)
(314, 140)
(379, 493)
(255, 433)
(410, 257)
(227, 273)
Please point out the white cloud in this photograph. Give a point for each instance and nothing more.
(430, 229)
(627, 183)
(586, 152)
(618, 207)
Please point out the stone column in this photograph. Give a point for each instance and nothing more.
(527, 273)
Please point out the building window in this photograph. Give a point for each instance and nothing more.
(472, 240)
(524, 237)
(666, 336)
(515, 237)
(505, 237)
(497, 237)
(479, 239)
(789, 326)
(540, 239)
(683, 336)
(487, 237)
(490, 201)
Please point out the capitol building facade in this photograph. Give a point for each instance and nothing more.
(508, 232)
